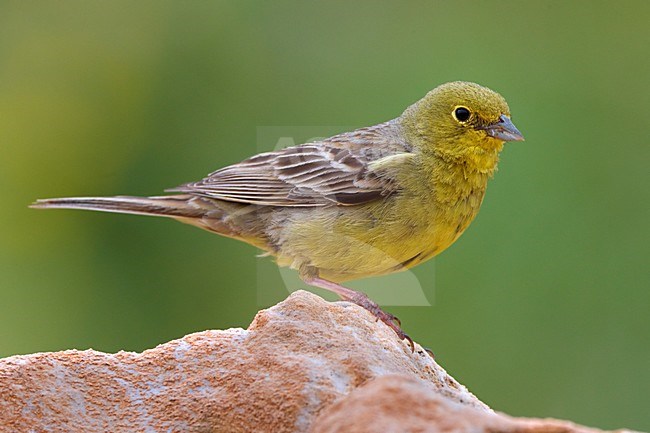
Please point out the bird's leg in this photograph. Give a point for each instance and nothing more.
(362, 300)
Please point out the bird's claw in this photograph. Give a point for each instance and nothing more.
(408, 339)
(387, 317)
(395, 324)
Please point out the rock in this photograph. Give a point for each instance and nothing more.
(401, 404)
(301, 359)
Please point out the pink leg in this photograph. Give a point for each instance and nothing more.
(362, 300)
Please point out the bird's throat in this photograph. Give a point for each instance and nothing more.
(481, 160)
(469, 159)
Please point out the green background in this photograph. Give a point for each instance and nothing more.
(541, 309)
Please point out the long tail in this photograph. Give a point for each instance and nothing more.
(174, 206)
(233, 220)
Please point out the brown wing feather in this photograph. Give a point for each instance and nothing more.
(332, 171)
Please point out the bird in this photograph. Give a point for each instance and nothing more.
(369, 202)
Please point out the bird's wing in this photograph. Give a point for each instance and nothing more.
(337, 170)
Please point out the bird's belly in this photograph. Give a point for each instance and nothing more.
(347, 243)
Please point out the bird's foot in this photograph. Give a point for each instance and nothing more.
(362, 300)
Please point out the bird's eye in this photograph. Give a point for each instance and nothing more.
(462, 114)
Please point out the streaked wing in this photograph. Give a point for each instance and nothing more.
(332, 171)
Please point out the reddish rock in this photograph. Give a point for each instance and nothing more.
(301, 359)
(401, 404)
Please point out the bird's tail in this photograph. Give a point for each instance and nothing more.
(233, 220)
(173, 206)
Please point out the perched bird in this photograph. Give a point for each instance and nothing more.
(373, 201)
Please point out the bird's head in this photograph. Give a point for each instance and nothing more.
(463, 122)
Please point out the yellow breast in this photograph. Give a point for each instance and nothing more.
(389, 235)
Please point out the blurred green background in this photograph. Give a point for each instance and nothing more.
(541, 309)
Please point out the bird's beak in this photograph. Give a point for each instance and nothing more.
(504, 130)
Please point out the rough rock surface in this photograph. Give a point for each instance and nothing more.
(398, 404)
(302, 360)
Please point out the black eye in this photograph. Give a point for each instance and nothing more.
(461, 114)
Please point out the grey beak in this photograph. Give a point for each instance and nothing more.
(504, 130)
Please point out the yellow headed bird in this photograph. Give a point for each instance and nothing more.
(368, 202)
